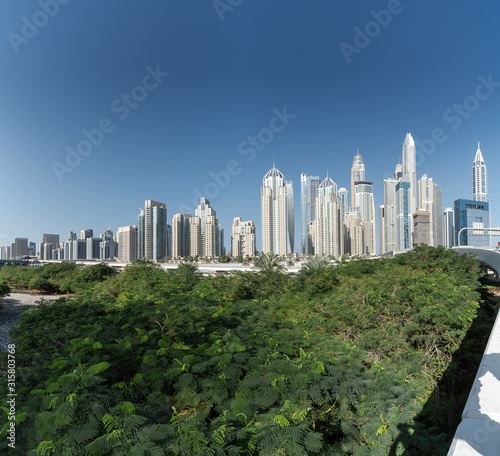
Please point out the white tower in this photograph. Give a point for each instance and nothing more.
(479, 177)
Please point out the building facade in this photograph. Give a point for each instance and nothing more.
(471, 219)
(308, 190)
(277, 213)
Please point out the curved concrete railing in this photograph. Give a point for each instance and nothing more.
(479, 431)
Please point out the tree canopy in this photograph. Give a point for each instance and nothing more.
(333, 361)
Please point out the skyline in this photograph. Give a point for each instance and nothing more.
(278, 73)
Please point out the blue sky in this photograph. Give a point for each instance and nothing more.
(416, 68)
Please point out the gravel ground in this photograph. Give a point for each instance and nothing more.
(13, 306)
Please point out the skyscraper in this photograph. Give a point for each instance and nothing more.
(410, 171)
(211, 235)
(152, 231)
(479, 177)
(277, 213)
(449, 227)
(344, 197)
(180, 235)
(357, 175)
(127, 243)
(363, 192)
(390, 215)
(430, 199)
(329, 221)
(308, 189)
(404, 218)
(242, 238)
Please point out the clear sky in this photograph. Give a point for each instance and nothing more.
(178, 87)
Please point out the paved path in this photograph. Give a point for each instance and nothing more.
(13, 306)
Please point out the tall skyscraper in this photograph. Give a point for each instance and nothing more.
(180, 235)
(21, 246)
(127, 243)
(410, 171)
(329, 221)
(479, 177)
(404, 218)
(430, 199)
(277, 213)
(308, 189)
(354, 235)
(195, 236)
(381, 228)
(242, 238)
(390, 215)
(449, 227)
(152, 231)
(344, 197)
(363, 192)
(211, 236)
(357, 175)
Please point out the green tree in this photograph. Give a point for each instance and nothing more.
(4, 289)
(318, 262)
(223, 259)
(269, 262)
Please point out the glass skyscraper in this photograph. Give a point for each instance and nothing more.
(308, 190)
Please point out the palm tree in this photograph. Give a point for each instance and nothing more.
(318, 262)
(269, 262)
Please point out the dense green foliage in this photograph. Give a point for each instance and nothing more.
(4, 289)
(56, 277)
(333, 361)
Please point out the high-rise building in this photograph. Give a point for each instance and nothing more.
(449, 227)
(152, 231)
(473, 215)
(479, 177)
(242, 238)
(72, 236)
(430, 199)
(21, 246)
(357, 175)
(180, 235)
(308, 189)
(51, 239)
(86, 234)
(211, 236)
(277, 213)
(363, 194)
(410, 171)
(381, 228)
(354, 241)
(127, 243)
(404, 218)
(344, 197)
(329, 221)
(437, 219)
(108, 247)
(93, 248)
(423, 227)
(169, 240)
(390, 216)
(195, 236)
